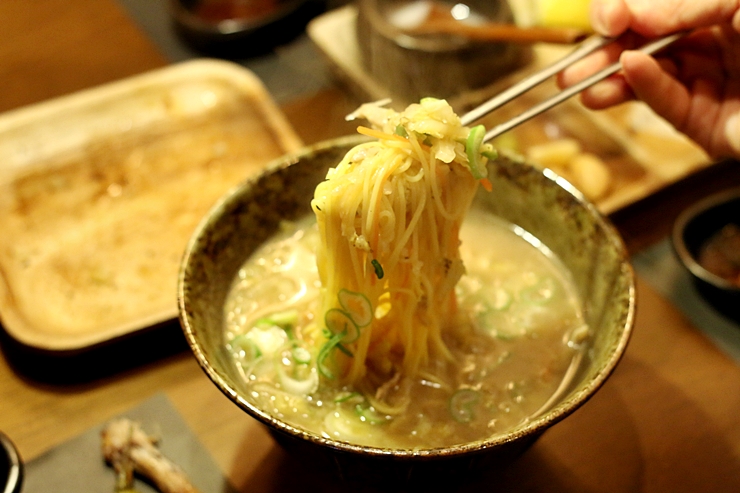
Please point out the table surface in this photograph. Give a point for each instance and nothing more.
(665, 421)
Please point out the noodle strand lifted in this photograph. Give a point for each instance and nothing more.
(389, 215)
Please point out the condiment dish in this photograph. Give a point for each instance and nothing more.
(693, 229)
(238, 29)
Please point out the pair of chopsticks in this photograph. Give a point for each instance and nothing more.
(587, 47)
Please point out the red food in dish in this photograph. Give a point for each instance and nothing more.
(720, 254)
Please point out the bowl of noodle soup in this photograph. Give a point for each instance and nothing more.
(536, 316)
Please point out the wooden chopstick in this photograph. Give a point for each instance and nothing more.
(506, 33)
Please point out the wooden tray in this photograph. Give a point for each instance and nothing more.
(100, 191)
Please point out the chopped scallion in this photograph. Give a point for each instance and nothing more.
(346, 351)
(345, 396)
(284, 320)
(369, 415)
(378, 268)
(301, 355)
(473, 151)
(324, 352)
(339, 322)
(462, 404)
(357, 307)
(246, 348)
(541, 292)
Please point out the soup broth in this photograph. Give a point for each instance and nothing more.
(523, 337)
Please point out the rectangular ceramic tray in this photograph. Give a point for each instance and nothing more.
(641, 151)
(100, 191)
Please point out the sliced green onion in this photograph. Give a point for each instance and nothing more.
(369, 414)
(284, 320)
(339, 322)
(400, 130)
(324, 352)
(296, 386)
(344, 349)
(378, 268)
(543, 291)
(462, 405)
(248, 350)
(301, 355)
(357, 306)
(345, 396)
(472, 150)
(490, 155)
(503, 335)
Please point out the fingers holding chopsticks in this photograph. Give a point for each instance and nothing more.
(694, 84)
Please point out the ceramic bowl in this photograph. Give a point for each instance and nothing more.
(11, 466)
(540, 202)
(691, 230)
(412, 66)
(238, 28)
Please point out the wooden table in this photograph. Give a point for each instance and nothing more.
(666, 421)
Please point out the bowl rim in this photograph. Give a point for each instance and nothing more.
(14, 480)
(532, 428)
(187, 18)
(679, 244)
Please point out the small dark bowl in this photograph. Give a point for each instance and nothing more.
(693, 227)
(244, 36)
(11, 466)
(538, 201)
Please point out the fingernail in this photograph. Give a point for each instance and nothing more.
(732, 132)
(601, 16)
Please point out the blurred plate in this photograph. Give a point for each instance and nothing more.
(100, 191)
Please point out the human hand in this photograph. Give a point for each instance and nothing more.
(694, 84)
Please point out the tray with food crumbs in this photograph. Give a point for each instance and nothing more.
(615, 157)
(101, 190)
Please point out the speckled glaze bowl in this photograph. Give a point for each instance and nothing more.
(539, 202)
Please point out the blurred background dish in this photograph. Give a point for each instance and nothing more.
(237, 28)
(11, 466)
(117, 179)
(706, 238)
(415, 65)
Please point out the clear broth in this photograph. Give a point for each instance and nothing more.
(523, 337)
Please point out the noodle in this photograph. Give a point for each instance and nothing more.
(395, 206)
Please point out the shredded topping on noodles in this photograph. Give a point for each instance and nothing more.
(389, 216)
